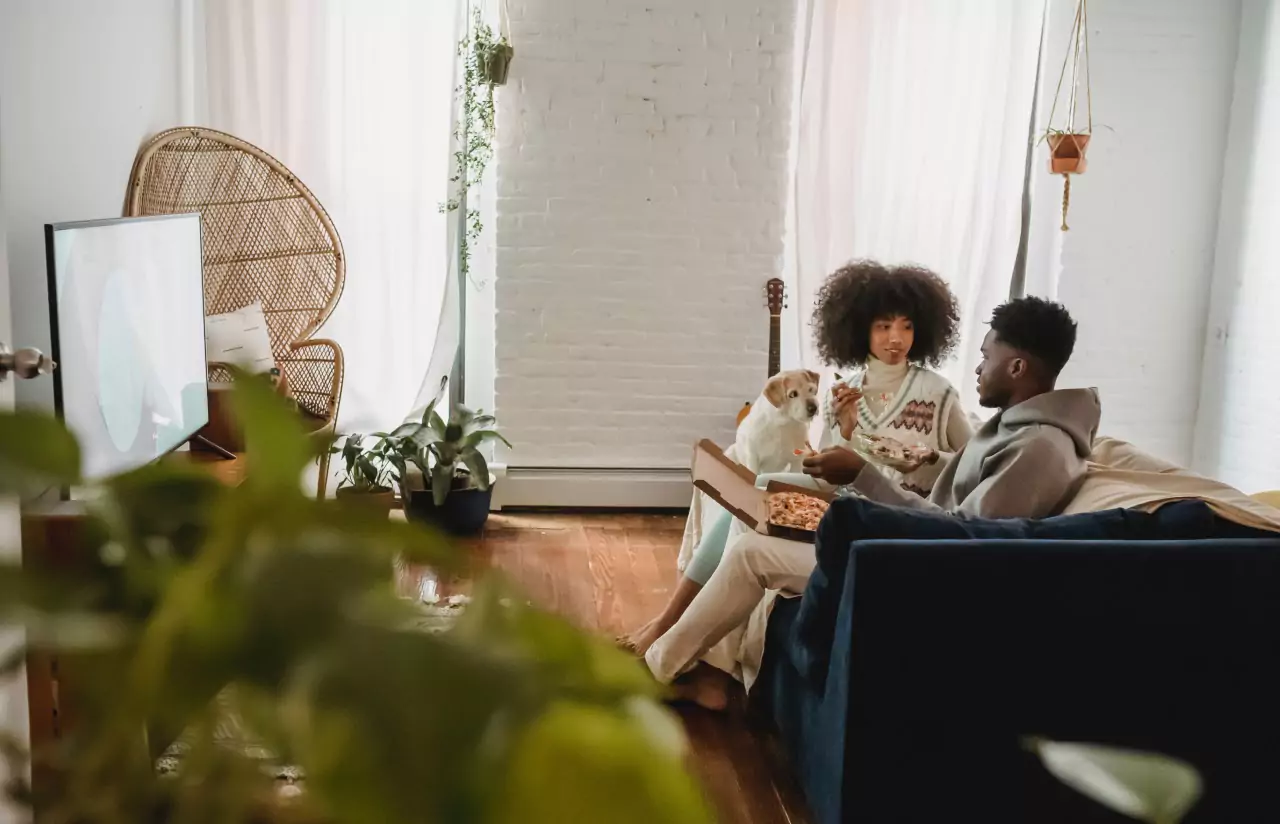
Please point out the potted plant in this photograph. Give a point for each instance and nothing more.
(370, 471)
(447, 480)
(496, 57)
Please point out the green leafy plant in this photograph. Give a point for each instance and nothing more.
(480, 50)
(369, 463)
(191, 602)
(448, 452)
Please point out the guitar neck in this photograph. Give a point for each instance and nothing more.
(775, 344)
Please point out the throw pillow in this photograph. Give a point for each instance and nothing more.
(240, 338)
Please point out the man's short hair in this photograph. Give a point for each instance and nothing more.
(1038, 327)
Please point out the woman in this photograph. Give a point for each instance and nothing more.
(888, 325)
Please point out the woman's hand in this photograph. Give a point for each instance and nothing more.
(845, 405)
(837, 466)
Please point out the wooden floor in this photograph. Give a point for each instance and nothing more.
(608, 573)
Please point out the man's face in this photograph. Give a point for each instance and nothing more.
(996, 372)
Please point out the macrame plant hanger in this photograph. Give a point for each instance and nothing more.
(1067, 145)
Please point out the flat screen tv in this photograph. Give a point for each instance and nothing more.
(126, 306)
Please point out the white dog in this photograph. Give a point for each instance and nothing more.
(778, 424)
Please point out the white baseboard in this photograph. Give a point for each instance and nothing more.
(592, 488)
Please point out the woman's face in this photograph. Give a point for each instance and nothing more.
(891, 339)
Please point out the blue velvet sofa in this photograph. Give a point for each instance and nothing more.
(947, 653)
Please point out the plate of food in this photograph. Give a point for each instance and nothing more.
(887, 452)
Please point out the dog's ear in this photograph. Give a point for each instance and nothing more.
(813, 376)
(775, 391)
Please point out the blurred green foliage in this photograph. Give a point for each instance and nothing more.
(282, 607)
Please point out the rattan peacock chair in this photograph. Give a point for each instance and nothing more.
(267, 239)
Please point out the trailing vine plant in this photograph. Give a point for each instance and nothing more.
(480, 51)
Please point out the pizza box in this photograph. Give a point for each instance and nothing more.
(733, 486)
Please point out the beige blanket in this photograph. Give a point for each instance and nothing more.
(1122, 477)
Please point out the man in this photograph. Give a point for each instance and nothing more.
(1025, 462)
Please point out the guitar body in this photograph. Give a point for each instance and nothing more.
(775, 300)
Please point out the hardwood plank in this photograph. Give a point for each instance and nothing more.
(608, 568)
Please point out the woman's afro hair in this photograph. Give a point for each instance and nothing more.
(863, 291)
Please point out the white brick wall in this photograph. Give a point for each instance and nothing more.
(640, 171)
(1137, 262)
(1236, 436)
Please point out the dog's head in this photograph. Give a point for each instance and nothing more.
(794, 393)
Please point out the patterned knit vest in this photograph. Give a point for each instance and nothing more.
(916, 415)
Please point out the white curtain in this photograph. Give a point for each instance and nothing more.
(910, 142)
(356, 98)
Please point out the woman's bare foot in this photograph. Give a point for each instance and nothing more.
(640, 640)
(705, 686)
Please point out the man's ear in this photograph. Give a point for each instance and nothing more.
(1017, 368)
(775, 391)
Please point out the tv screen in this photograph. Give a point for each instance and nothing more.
(126, 303)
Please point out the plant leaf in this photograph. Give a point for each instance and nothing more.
(424, 438)
(277, 446)
(431, 407)
(476, 438)
(407, 430)
(594, 756)
(462, 415)
(1146, 786)
(437, 425)
(368, 471)
(479, 469)
(441, 482)
(36, 452)
(480, 422)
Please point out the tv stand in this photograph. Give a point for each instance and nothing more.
(215, 448)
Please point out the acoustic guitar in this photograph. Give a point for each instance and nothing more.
(775, 296)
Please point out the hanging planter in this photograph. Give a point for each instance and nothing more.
(1068, 143)
(495, 62)
(1066, 152)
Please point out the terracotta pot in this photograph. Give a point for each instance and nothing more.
(1066, 153)
(382, 501)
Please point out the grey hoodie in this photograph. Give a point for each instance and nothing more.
(1026, 462)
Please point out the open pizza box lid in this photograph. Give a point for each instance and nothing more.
(733, 486)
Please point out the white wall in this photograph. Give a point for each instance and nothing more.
(1236, 436)
(1135, 267)
(84, 83)
(640, 171)
(14, 710)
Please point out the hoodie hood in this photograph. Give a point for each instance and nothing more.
(1075, 411)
